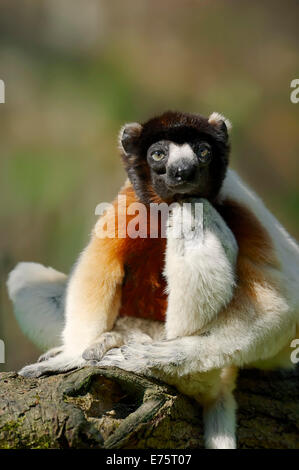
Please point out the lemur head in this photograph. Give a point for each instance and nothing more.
(176, 155)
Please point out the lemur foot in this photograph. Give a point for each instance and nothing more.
(152, 359)
(51, 353)
(60, 363)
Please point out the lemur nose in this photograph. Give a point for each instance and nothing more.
(184, 173)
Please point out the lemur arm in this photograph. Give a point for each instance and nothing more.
(201, 256)
(93, 295)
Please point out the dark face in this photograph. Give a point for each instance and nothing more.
(176, 156)
(180, 170)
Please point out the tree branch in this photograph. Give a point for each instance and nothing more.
(113, 409)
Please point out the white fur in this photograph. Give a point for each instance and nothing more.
(200, 273)
(220, 423)
(38, 296)
(61, 362)
(216, 118)
(286, 249)
(180, 152)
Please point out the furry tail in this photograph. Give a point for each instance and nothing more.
(38, 295)
(220, 423)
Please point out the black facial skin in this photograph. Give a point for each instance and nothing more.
(201, 176)
(183, 178)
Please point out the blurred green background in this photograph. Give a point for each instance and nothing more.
(76, 70)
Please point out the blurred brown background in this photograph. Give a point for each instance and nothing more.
(76, 70)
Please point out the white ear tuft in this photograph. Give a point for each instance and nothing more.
(216, 118)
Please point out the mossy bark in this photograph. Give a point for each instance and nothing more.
(113, 409)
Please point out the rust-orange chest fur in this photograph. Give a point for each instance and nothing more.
(143, 290)
(144, 286)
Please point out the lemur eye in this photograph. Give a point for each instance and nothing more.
(158, 155)
(204, 153)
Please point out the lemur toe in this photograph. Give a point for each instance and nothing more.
(93, 354)
(58, 364)
(113, 357)
(105, 343)
(49, 354)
